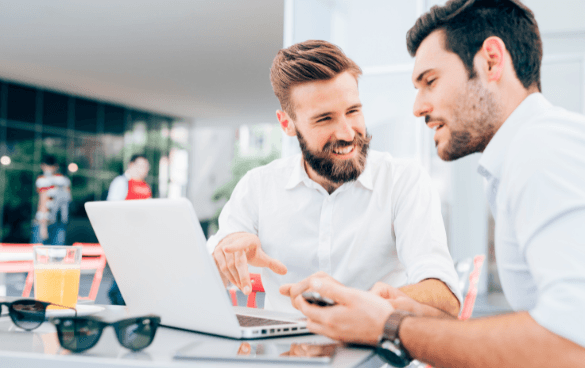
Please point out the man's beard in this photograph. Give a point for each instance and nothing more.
(476, 118)
(335, 170)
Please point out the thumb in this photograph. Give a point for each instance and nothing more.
(332, 290)
(263, 260)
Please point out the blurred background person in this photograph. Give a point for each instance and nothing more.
(131, 184)
(54, 189)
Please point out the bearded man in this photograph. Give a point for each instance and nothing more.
(357, 215)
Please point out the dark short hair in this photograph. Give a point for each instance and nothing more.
(49, 160)
(136, 157)
(468, 23)
(307, 61)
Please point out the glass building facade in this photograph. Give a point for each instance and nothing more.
(91, 140)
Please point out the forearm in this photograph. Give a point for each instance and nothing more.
(513, 340)
(434, 293)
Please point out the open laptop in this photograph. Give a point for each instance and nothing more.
(156, 251)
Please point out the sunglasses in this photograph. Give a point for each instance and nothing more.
(29, 314)
(78, 334)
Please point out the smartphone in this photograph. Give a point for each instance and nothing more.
(314, 297)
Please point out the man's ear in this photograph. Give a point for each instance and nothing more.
(493, 51)
(286, 123)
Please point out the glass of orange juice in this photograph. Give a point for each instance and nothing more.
(57, 272)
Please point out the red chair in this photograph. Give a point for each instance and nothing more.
(256, 281)
(93, 258)
(471, 277)
(471, 295)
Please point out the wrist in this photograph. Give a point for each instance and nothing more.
(390, 347)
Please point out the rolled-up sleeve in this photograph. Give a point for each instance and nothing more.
(240, 213)
(421, 241)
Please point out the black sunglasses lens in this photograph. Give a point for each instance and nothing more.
(136, 334)
(78, 334)
(27, 314)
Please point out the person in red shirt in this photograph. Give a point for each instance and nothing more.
(131, 184)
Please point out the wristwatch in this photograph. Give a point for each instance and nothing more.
(389, 347)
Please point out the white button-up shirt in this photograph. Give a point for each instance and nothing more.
(535, 182)
(385, 226)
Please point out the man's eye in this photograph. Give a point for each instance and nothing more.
(352, 111)
(323, 119)
(430, 82)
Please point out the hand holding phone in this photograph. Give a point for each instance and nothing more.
(314, 297)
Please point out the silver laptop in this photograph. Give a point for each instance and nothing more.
(156, 250)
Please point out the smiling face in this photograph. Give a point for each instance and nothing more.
(330, 126)
(461, 110)
(139, 168)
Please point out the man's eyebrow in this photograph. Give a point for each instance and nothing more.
(320, 115)
(422, 75)
(356, 106)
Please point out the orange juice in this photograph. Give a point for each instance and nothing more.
(57, 284)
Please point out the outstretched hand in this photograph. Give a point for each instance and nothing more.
(233, 254)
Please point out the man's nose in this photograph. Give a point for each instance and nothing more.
(421, 106)
(345, 131)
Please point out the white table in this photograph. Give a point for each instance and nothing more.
(9, 257)
(40, 347)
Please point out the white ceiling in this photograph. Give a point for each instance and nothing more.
(201, 59)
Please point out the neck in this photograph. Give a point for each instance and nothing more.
(327, 184)
(512, 98)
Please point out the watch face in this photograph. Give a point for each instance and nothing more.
(391, 354)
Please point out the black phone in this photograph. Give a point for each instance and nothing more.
(314, 297)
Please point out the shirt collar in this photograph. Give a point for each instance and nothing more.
(299, 175)
(492, 159)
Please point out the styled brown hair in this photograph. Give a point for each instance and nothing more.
(468, 23)
(307, 61)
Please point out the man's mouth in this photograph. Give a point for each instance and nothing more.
(343, 150)
(438, 126)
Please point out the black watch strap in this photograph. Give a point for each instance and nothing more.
(390, 348)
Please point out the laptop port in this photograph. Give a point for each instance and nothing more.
(294, 329)
(302, 328)
(272, 330)
(285, 330)
(263, 332)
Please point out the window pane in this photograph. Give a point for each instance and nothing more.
(83, 189)
(113, 146)
(114, 119)
(20, 145)
(56, 145)
(21, 103)
(85, 115)
(87, 152)
(19, 194)
(55, 110)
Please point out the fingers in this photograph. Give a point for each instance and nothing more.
(331, 289)
(232, 272)
(263, 260)
(285, 289)
(241, 263)
(221, 263)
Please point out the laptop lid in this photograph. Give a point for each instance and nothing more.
(156, 251)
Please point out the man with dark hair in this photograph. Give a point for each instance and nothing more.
(360, 216)
(131, 184)
(54, 189)
(477, 71)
